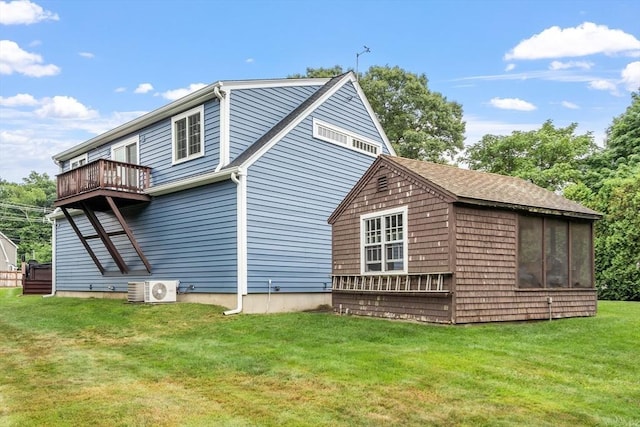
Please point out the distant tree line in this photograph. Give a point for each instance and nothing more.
(23, 210)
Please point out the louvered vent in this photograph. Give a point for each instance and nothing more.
(135, 292)
(383, 184)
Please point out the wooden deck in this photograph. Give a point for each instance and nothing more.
(104, 185)
(124, 182)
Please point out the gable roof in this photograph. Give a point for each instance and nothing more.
(264, 140)
(191, 100)
(478, 188)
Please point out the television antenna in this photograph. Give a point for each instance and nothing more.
(366, 50)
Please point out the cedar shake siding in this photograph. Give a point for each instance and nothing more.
(486, 269)
(428, 251)
(462, 263)
(428, 235)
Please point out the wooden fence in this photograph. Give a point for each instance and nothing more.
(11, 279)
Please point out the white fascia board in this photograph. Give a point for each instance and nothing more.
(191, 182)
(258, 84)
(251, 160)
(373, 116)
(57, 213)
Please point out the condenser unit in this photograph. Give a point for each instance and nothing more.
(135, 291)
(160, 291)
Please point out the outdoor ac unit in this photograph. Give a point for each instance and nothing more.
(160, 291)
(135, 292)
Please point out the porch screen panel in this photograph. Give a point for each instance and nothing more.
(581, 256)
(530, 252)
(556, 239)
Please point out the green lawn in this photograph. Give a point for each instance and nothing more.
(71, 362)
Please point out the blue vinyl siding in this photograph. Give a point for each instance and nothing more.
(255, 111)
(188, 236)
(292, 190)
(156, 151)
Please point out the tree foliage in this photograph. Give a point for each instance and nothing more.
(420, 123)
(612, 186)
(22, 214)
(551, 157)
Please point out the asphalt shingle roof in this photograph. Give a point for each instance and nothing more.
(484, 188)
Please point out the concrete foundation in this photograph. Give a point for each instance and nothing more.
(252, 303)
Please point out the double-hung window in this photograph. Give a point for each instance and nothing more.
(187, 135)
(384, 241)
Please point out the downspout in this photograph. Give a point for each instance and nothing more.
(54, 223)
(240, 178)
(224, 132)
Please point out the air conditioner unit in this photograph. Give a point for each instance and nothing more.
(135, 292)
(160, 291)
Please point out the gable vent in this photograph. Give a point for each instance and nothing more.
(336, 135)
(383, 184)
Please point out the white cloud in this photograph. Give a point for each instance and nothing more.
(120, 89)
(557, 65)
(510, 67)
(631, 76)
(585, 39)
(24, 12)
(19, 100)
(15, 60)
(603, 85)
(87, 55)
(144, 88)
(64, 107)
(570, 105)
(174, 94)
(249, 60)
(512, 104)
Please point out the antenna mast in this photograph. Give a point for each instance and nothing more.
(366, 50)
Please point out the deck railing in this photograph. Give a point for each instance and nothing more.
(425, 282)
(104, 174)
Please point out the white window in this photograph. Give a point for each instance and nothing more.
(187, 135)
(383, 237)
(336, 135)
(76, 162)
(126, 151)
(120, 175)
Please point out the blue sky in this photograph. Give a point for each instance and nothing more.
(71, 69)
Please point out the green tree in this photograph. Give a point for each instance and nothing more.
(23, 208)
(550, 157)
(420, 123)
(612, 186)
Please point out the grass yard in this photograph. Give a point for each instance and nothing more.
(73, 362)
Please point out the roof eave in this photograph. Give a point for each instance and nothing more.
(193, 99)
(532, 209)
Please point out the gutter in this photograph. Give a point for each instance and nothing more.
(240, 178)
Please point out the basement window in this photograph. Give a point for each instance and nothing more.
(339, 136)
(554, 253)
